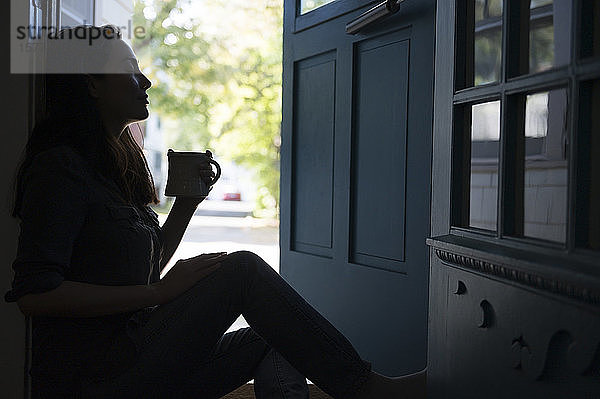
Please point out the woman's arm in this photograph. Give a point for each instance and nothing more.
(175, 225)
(74, 299)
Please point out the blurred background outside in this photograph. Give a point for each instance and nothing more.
(216, 68)
(216, 71)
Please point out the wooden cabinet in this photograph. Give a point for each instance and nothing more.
(514, 288)
(499, 339)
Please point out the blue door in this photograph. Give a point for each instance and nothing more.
(355, 171)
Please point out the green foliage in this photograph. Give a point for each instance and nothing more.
(251, 137)
(223, 89)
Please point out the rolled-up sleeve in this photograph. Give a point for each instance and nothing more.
(53, 210)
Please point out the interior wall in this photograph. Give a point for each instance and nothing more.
(14, 116)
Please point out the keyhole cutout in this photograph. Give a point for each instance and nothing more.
(487, 318)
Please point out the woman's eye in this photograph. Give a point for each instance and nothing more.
(130, 68)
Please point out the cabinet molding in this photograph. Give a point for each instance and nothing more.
(513, 271)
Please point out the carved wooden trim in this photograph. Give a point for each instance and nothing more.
(528, 278)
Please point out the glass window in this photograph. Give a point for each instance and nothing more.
(545, 166)
(66, 21)
(81, 8)
(549, 34)
(485, 146)
(594, 150)
(539, 3)
(487, 44)
(76, 12)
(590, 28)
(525, 181)
(309, 5)
(588, 172)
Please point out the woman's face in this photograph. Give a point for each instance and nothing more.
(121, 94)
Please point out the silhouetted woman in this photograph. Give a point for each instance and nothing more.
(91, 251)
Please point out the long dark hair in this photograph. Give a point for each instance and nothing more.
(73, 119)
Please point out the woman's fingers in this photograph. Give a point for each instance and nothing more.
(204, 263)
(207, 176)
(207, 269)
(205, 256)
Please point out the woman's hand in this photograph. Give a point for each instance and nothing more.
(207, 176)
(185, 273)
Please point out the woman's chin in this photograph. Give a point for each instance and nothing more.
(142, 115)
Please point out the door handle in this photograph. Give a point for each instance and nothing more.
(375, 13)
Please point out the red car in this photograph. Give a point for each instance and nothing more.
(232, 196)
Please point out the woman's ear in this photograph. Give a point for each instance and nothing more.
(93, 86)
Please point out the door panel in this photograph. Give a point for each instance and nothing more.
(379, 152)
(355, 174)
(312, 172)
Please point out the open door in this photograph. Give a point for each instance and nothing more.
(355, 170)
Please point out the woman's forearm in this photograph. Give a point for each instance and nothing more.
(174, 227)
(75, 299)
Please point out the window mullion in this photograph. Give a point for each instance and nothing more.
(573, 110)
(571, 166)
(516, 14)
(513, 164)
(500, 208)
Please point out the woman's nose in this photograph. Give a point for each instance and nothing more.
(145, 82)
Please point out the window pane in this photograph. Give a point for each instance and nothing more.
(594, 150)
(67, 21)
(488, 56)
(488, 41)
(545, 180)
(79, 8)
(588, 168)
(549, 34)
(495, 8)
(485, 146)
(590, 28)
(75, 12)
(309, 5)
(539, 3)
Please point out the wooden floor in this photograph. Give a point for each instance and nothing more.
(247, 392)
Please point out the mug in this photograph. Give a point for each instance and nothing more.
(183, 178)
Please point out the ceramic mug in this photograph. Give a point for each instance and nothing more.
(184, 179)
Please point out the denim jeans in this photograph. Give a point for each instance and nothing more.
(183, 351)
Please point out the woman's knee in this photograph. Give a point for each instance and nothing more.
(248, 263)
(245, 257)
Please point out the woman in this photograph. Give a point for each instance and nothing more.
(91, 251)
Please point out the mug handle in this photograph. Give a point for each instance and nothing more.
(212, 161)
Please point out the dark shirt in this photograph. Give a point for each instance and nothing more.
(76, 226)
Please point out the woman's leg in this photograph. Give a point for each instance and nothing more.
(238, 357)
(181, 335)
(275, 377)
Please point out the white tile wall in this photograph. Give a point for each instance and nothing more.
(545, 202)
(484, 194)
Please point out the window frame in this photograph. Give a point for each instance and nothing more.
(326, 12)
(514, 84)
